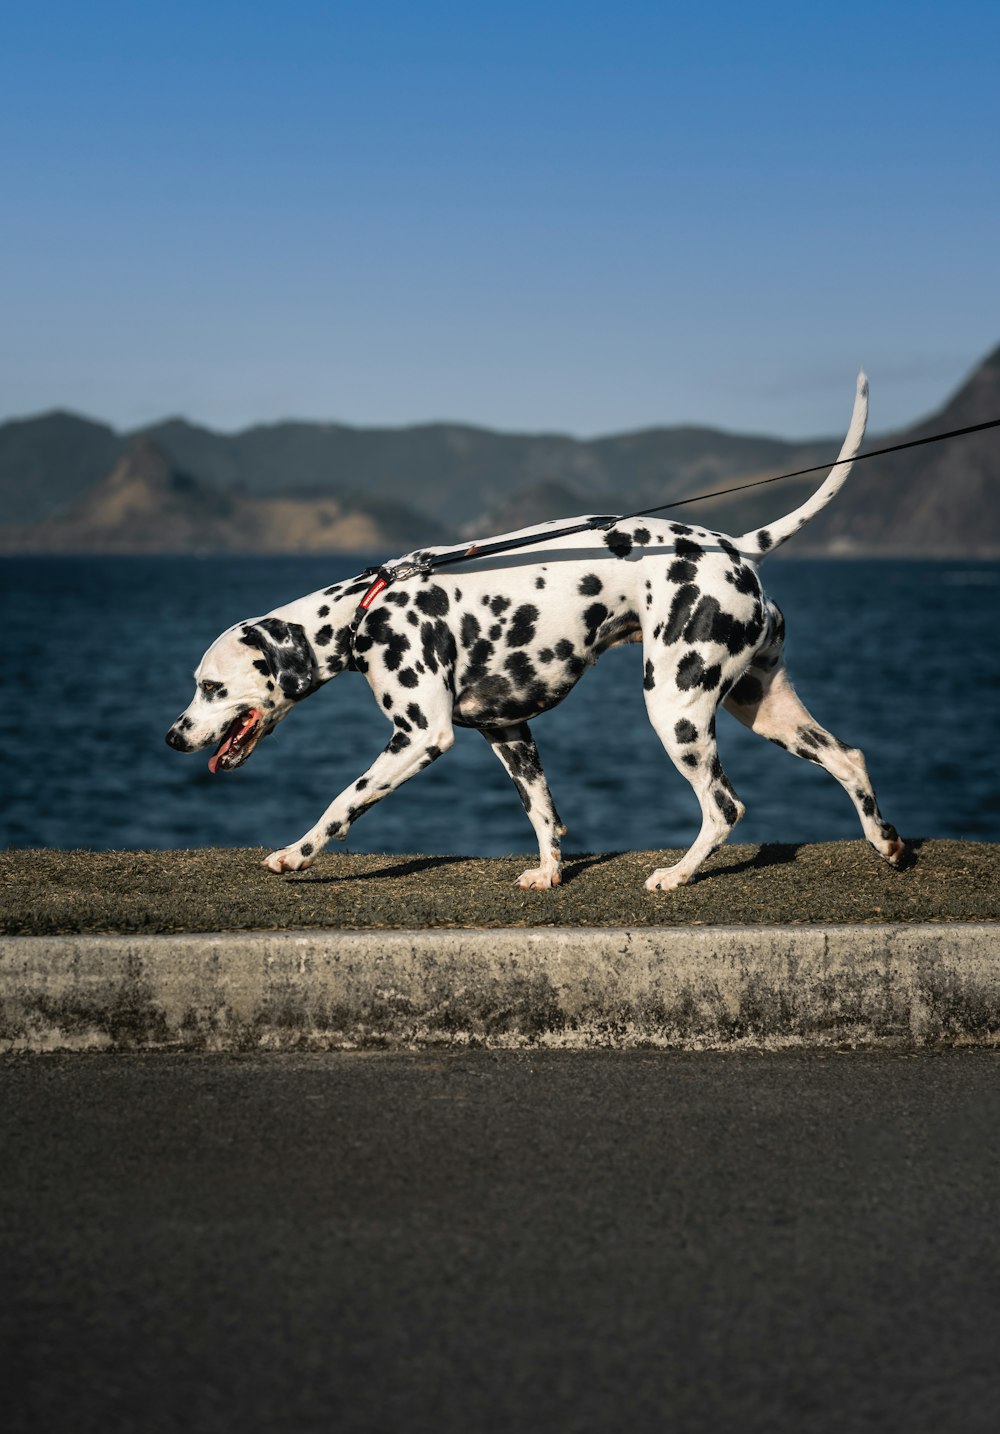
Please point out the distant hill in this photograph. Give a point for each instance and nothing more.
(146, 505)
(316, 487)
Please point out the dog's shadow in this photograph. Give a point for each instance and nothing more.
(402, 868)
(574, 867)
(784, 854)
(767, 855)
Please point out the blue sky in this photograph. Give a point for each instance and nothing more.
(586, 217)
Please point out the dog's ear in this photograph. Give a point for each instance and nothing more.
(285, 655)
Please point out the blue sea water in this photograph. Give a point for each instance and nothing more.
(900, 658)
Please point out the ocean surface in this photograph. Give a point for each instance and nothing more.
(899, 658)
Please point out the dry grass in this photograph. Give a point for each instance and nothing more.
(227, 889)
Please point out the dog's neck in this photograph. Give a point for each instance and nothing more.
(326, 619)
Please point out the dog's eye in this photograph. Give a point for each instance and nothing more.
(209, 687)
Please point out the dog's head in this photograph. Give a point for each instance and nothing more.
(248, 680)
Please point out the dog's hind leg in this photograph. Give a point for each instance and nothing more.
(686, 728)
(765, 701)
(516, 750)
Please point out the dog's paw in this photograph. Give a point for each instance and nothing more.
(538, 880)
(896, 854)
(290, 859)
(666, 878)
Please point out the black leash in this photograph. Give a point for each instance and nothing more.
(385, 576)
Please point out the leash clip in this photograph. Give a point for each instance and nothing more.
(384, 577)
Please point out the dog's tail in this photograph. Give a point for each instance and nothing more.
(760, 541)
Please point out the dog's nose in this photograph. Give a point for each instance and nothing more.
(175, 740)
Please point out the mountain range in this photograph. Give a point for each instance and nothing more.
(69, 484)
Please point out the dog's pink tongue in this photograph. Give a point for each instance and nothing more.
(233, 737)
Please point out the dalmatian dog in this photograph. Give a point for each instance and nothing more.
(493, 642)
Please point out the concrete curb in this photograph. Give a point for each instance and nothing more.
(672, 987)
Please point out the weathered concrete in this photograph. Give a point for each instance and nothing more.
(903, 985)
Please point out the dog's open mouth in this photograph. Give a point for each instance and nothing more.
(239, 741)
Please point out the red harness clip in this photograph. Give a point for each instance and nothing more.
(382, 581)
(372, 594)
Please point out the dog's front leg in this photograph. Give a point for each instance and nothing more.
(408, 752)
(516, 749)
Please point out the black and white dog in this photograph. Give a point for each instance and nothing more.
(501, 639)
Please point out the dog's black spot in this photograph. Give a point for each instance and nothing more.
(731, 551)
(399, 741)
(323, 636)
(641, 536)
(682, 572)
(689, 759)
(649, 678)
(692, 672)
(324, 611)
(590, 585)
(522, 626)
(564, 649)
(479, 655)
(522, 792)
(726, 806)
(470, 629)
(416, 716)
(681, 529)
(397, 645)
(499, 605)
(539, 582)
(546, 655)
(688, 551)
(701, 627)
(387, 697)
(763, 540)
(867, 801)
(593, 617)
(618, 542)
(438, 642)
(521, 668)
(407, 677)
(360, 784)
(522, 759)
(433, 602)
(307, 848)
(743, 579)
(397, 596)
(749, 690)
(680, 611)
(686, 731)
(495, 633)
(431, 755)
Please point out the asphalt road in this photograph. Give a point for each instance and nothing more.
(513, 1242)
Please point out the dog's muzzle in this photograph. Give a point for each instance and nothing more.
(241, 737)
